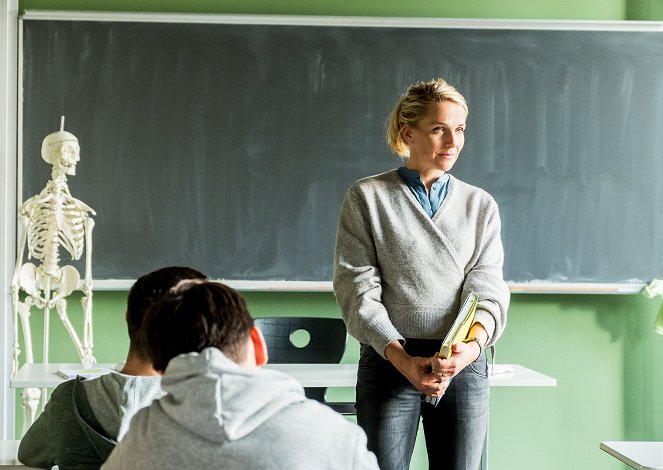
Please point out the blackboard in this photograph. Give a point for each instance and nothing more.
(229, 147)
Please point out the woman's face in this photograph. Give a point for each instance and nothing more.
(437, 139)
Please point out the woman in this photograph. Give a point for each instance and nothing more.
(411, 244)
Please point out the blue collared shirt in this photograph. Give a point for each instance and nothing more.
(438, 191)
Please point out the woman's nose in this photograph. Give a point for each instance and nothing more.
(450, 140)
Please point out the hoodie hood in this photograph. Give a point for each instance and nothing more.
(215, 398)
(103, 408)
(114, 398)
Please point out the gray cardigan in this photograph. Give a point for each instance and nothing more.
(400, 274)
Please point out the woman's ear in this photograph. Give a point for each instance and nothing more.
(406, 133)
(259, 346)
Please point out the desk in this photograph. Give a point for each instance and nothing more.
(345, 375)
(309, 375)
(8, 452)
(640, 455)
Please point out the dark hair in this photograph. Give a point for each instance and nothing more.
(193, 316)
(147, 290)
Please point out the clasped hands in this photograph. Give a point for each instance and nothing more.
(432, 375)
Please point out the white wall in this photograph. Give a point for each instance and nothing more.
(8, 120)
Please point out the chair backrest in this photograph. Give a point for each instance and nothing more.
(316, 340)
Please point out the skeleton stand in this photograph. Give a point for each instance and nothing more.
(49, 221)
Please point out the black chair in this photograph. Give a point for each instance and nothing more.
(307, 340)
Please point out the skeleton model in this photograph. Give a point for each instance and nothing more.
(51, 221)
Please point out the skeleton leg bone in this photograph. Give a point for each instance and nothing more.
(31, 398)
(61, 307)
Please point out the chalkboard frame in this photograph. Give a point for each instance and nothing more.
(528, 287)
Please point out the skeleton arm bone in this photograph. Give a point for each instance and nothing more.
(22, 237)
(15, 287)
(24, 315)
(89, 226)
(87, 294)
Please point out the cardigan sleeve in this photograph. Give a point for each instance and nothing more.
(357, 281)
(485, 276)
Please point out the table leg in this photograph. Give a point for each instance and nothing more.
(484, 453)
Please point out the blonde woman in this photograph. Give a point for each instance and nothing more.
(411, 244)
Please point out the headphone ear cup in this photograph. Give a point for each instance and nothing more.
(259, 346)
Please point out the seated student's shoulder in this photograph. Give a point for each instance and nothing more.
(46, 438)
(140, 446)
(332, 441)
(59, 404)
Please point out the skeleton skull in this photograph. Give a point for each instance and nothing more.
(61, 150)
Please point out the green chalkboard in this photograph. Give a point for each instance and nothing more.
(229, 147)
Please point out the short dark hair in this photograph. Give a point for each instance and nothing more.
(193, 316)
(147, 290)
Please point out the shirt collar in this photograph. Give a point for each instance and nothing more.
(413, 178)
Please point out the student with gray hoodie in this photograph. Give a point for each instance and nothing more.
(221, 409)
(84, 419)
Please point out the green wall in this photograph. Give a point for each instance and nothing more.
(541, 9)
(601, 349)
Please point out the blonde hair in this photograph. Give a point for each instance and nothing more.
(413, 105)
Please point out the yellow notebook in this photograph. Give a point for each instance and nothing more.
(461, 326)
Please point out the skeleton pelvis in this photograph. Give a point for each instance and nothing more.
(60, 284)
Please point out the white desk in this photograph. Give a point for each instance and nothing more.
(8, 452)
(345, 375)
(8, 456)
(640, 455)
(309, 375)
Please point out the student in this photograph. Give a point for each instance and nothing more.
(84, 419)
(411, 244)
(221, 410)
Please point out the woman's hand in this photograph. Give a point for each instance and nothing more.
(417, 370)
(462, 354)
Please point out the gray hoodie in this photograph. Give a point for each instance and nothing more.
(84, 419)
(220, 415)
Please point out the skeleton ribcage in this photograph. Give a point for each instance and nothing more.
(52, 224)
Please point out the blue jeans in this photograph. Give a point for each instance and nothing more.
(389, 408)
